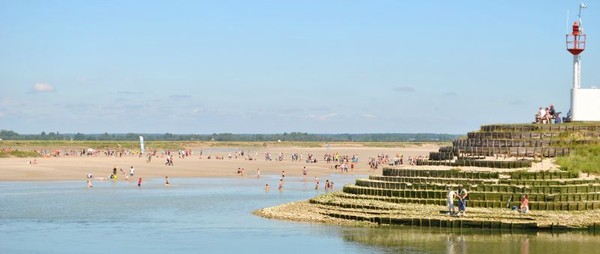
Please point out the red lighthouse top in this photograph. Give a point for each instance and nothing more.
(576, 40)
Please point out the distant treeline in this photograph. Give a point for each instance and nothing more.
(293, 136)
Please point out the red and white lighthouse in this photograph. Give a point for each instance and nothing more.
(585, 102)
(576, 45)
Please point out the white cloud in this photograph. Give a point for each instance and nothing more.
(322, 117)
(198, 110)
(42, 88)
(370, 116)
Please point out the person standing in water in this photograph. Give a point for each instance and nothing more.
(305, 173)
(258, 173)
(167, 184)
(267, 187)
(316, 183)
(281, 184)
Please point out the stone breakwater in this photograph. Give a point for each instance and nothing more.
(518, 141)
(341, 209)
(416, 197)
(495, 164)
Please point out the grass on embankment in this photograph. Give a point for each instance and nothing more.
(19, 154)
(586, 159)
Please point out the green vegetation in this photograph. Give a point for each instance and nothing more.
(586, 158)
(51, 145)
(20, 154)
(293, 136)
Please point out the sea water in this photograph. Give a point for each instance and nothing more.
(214, 215)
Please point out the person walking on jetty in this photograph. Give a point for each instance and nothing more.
(451, 195)
(462, 200)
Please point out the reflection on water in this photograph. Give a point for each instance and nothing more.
(214, 215)
(455, 241)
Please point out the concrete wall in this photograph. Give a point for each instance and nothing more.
(586, 104)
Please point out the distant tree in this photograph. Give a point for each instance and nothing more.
(79, 136)
(105, 136)
(6, 134)
(131, 136)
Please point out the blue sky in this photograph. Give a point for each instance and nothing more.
(282, 66)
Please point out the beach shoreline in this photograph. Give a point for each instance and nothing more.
(74, 167)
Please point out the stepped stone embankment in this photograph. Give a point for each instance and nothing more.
(521, 141)
(417, 195)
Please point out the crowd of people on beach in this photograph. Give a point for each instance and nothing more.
(129, 177)
(341, 163)
(329, 185)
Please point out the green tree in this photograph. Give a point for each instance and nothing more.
(6, 134)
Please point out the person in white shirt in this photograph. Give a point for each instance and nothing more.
(450, 201)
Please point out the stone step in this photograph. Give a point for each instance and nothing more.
(433, 180)
(443, 173)
(478, 163)
(572, 205)
(549, 182)
(480, 187)
(473, 195)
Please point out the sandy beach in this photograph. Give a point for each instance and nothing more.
(77, 167)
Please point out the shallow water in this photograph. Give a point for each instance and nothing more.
(213, 215)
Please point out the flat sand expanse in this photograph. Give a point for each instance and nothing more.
(101, 166)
